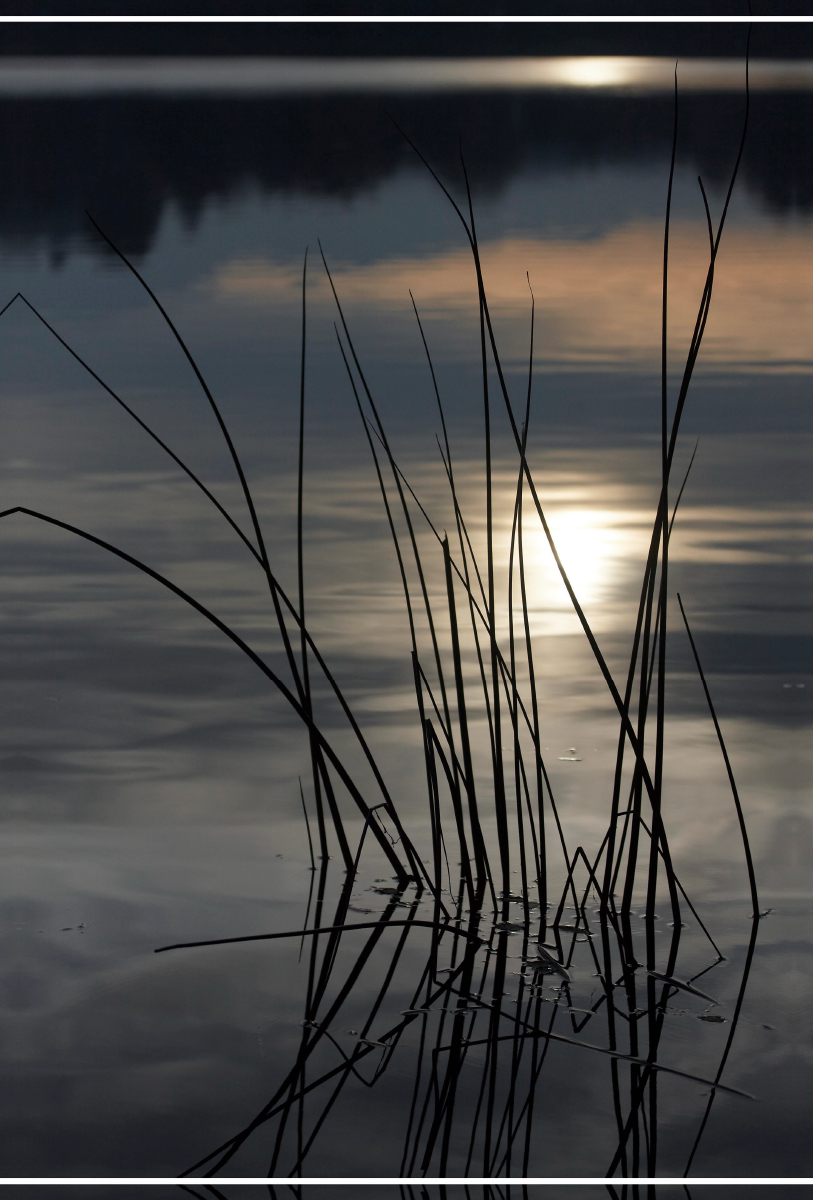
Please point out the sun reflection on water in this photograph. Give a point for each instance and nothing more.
(589, 543)
(601, 533)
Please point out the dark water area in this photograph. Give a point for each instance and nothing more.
(516, 976)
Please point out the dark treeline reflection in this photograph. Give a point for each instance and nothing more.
(125, 159)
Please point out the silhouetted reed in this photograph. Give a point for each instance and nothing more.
(458, 1002)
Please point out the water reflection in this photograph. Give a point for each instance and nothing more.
(591, 544)
(481, 1022)
(597, 300)
(164, 768)
(130, 158)
(483, 893)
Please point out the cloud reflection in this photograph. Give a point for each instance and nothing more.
(597, 302)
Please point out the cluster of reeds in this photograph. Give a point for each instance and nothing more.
(572, 905)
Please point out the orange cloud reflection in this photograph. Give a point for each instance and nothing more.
(597, 302)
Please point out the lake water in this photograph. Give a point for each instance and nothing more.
(152, 772)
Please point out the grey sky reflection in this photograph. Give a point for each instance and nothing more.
(121, 704)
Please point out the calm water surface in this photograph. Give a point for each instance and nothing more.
(151, 775)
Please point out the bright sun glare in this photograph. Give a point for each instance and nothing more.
(584, 542)
(590, 544)
(594, 72)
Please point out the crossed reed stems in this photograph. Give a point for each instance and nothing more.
(478, 1061)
